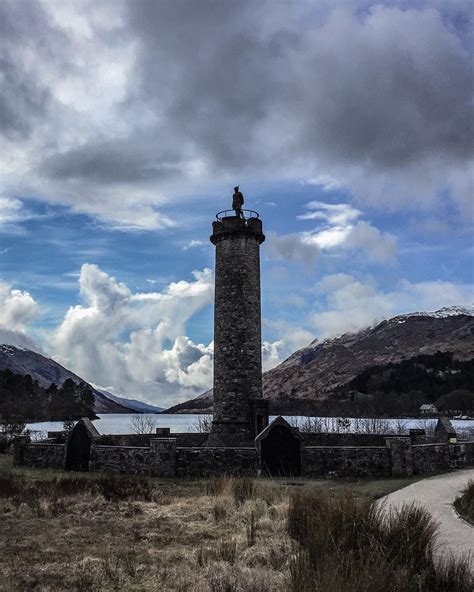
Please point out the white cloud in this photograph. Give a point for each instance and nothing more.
(351, 304)
(194, 244)
(135, 343)
(290, 247)
(335, 214)
(289, 339)
(10, 210)
(17, 311)
(18, 339)
(339, 230)
(12, 214)
(273, 352)
(327, 182)
(377, 246)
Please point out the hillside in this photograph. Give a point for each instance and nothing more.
(46, 371)
(320, 372)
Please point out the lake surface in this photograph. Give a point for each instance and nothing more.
(120, 423)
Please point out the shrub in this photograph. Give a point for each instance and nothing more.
(348, 544)
(465, 503)
(217, 485)
(219, 512)
(111, 487)
(242, 489)
(251, 530)
(224, 551)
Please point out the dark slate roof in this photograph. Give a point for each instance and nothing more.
(445, 425)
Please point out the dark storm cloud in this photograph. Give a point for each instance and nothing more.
(377, 97)
(386, 86)
(22, 101)
(112, 161)
(211, 72)
(24, 95)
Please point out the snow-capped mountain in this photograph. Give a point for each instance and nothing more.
(314, 373)
(442, 313)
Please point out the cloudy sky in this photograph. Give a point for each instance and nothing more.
(124, 126)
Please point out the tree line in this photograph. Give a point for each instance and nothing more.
(22, 398)
(393, 390)
(402, 387)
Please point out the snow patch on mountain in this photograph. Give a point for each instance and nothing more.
(442, 313)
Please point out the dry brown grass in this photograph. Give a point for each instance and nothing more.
(78, 533)
(350, 544)
(464, 504)
(84, 532)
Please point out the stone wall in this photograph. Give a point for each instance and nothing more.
(165, 458)
(401, 456)
(135, 440)
(192, 439)
(43, 456)
(338, 439)
(133, 460)
(431, 458)
(345, 461)
(207, 462)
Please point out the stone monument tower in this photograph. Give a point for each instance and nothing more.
(240, 413)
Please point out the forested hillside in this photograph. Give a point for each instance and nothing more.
(396, 388)
(23, 399)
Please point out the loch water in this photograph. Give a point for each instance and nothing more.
(121, 423)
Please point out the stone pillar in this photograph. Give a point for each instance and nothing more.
(401, 456)
(237, 330)
(163, 457)
(19, 443)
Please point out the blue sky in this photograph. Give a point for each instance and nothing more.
(124, 128)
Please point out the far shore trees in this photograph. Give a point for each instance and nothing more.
(22, 399)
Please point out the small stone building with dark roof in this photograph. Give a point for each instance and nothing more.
(444, 431)
(78, 445)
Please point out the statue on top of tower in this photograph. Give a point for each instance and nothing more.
(238, 202)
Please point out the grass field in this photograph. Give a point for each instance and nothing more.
(85, 532)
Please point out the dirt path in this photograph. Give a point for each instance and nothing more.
(437, 495)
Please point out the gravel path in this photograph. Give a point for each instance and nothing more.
(437, 494)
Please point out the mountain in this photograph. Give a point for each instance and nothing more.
(137, 406)
(320, 371)
(46, 371)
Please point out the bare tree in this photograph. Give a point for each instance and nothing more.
(9, 429)
(142, 423)
(428, 425)
(400, 427)
(203, 424)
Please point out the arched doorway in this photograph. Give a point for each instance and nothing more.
(78, 446)
(280, 451)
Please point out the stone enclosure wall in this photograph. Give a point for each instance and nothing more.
(207, 462)
(133, 460)
(165, 458)
(346, 461)
(42, 456)
(429, 458)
